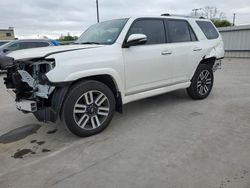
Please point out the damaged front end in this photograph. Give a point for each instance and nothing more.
(26, 80)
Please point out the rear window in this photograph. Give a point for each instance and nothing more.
(208, 29)
(180, 31)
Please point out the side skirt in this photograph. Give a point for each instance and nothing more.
(158, 91)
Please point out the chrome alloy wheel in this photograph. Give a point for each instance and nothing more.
(204, 82)
(91, 110)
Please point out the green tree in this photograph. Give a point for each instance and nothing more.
(68, 37)
(221, 23)
(213, 13)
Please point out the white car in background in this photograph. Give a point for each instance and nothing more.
(22, 44)
(113, 63)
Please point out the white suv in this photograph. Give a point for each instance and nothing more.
(113, 63)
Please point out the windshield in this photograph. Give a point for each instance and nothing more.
(3, 42)
(103, 33)
(6, 45)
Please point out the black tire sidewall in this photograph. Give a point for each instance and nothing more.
(75, 92)
(193, 90)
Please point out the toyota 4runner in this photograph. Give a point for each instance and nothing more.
(113, 63)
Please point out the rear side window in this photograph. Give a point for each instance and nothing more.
(14, 47)
(24, 45)
(153, 28)
(18, 46)
(208, 29)
(41, 44)
(180, 31)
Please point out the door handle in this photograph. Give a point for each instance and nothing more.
(166, 52)
(197, 49)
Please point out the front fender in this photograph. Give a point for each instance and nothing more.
(92, 72)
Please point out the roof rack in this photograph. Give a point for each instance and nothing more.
(179, 15)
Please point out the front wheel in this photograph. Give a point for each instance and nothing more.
(201, 83)
(88, 108)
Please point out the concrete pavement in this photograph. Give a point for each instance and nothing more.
(163, 141)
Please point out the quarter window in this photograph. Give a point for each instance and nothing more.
(153, 28)
(208, 29)
(180, 31)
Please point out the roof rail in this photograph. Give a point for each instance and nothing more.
(185, 16)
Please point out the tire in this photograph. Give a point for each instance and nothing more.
(88, 108)
(201, 83)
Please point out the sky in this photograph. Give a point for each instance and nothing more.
(52, 18)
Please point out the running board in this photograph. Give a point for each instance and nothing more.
(158, 91)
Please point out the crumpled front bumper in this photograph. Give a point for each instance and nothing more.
(44, 108)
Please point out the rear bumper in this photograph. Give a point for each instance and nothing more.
(217, 64)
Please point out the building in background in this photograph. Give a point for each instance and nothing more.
(236, 40)
(7, 34)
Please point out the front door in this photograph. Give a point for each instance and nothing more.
(147, 66)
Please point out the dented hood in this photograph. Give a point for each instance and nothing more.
(46, 51)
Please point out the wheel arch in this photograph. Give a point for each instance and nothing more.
(208, 61)
(110, 82)
(205, 60)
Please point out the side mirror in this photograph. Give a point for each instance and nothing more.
(135, 39)
(5, 50)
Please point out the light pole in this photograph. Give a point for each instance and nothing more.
(196, 10)
(234, 20)
(97, 11)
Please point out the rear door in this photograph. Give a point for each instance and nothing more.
(147, 66)
(185, 49)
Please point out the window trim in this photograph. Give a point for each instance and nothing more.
(146, 18)
(189, 28)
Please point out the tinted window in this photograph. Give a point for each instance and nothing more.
(180, 31)
(208, 29)
(21, 46)
(40, 44)
(14, 47)
(2, 43)
(24, 45)
(193, 36)
(153, 29)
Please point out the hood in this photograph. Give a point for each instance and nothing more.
(46, 51)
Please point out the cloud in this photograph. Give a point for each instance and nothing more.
(34, 18)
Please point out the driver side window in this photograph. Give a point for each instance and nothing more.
(153, 28)
(14, 47)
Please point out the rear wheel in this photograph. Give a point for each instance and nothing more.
(201, 83)
(88, 108)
